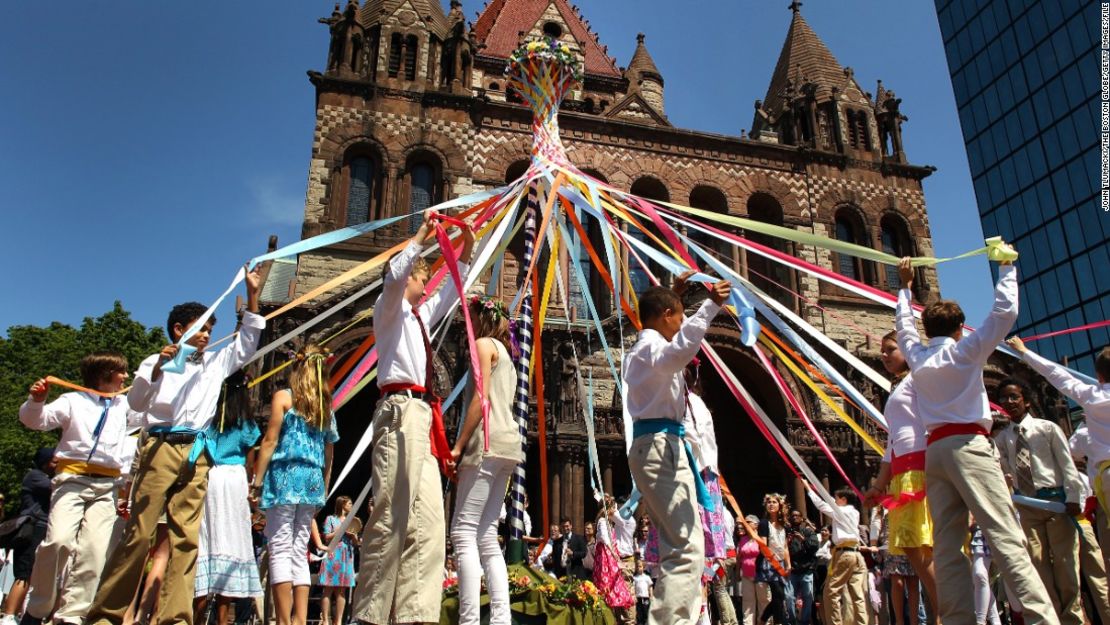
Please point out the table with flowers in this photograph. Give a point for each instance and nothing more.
(536, 597)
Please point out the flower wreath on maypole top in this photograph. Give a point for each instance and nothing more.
(546, 49)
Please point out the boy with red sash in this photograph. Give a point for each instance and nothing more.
(403, 546)
(962, 474)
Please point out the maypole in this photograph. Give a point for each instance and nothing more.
(542, 72)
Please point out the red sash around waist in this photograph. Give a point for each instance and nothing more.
(956, 429)
(913, 461)
(438, 433)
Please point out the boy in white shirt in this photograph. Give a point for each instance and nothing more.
(642, 584)
(403, 544)
(173, 471)
(847, 568)
(659, 458)
(961, 472)
(91, 453)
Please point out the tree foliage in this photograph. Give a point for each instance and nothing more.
(31, 352)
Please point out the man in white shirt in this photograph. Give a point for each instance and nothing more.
(91, 453)
(1036, 459)
(404, 540)
(179, 407)
(960, 468)
(659, 458)
(847, 568)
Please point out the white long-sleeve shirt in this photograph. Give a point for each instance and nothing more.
(1050, 457)
(907, 432)
(948, 374)
(623, 529)
(700, 433)
(1093, 398)
(653, 367)
(77, 414)
(188, 399)
(845, 520)
(1080, 446)
(402, 357)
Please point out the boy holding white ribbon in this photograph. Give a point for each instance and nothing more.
(660, 459)
(173, 471)
(403, 545)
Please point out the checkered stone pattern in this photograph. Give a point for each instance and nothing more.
(331, 117)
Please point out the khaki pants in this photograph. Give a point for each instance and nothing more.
(165, 481)
(964, 476)
(1054, 549)
(662, 472)
(847, 579)
(82, 514)
(403, 549)
(1094, 570)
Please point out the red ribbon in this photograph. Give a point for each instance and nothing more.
(452, 261)
(1089, 326)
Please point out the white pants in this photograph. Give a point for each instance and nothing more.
(986, 608)
(288, 529)
(82, 514)
(754, 597)
(474, 535)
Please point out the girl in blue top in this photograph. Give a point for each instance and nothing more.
(226, 566)
(294, 469)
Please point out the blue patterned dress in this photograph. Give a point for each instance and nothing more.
(338, 568)
(296, 472)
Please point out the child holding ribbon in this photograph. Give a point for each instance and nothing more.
(403, 545)
(960, 466)
(484, 474)
(900, 485)
(90, 455)
(660, 460)
(292, 476)
(173, 472)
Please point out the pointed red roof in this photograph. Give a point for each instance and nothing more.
(501, 22)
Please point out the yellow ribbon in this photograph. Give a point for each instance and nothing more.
(824, 397)
(1102, 466)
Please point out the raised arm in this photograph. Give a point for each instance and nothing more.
(979, 345)
(909, 341)
(43, 417)
(677, 353)
(1084, 393)
(436, 307)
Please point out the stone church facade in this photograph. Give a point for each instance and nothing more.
(412, 108)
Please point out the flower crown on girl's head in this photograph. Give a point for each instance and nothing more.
(324, 354)
(495, 306)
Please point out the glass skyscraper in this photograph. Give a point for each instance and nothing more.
(1025, 74)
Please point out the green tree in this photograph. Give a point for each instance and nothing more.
(31, 352)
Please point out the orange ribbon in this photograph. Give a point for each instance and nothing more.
(77, 387)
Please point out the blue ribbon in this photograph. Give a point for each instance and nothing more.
(100, 427)
(201, 444)
(645, 427)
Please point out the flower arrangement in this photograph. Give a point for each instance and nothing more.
(546, 49)
(519, 584)
(579, 593)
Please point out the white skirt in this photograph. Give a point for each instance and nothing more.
(225, 554)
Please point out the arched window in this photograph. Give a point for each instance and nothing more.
(411, 47)
(495, 86)
(593, 173)
(423, 175)
(359, 187)
(713, 199)
(553, 30)
(895, 239)
(770, 276)
(516, 170)
(849, 229)
(394, 55)
(647, 188)
(858, 135)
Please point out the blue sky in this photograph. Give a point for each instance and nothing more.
(148, 149)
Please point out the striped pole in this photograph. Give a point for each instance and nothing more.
(516, 551)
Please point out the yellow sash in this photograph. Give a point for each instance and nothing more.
(79, 467)
(1102, 466)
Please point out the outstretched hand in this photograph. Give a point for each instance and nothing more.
(905, 272)
(681, 284)
(38, 390)
(1017, 344)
